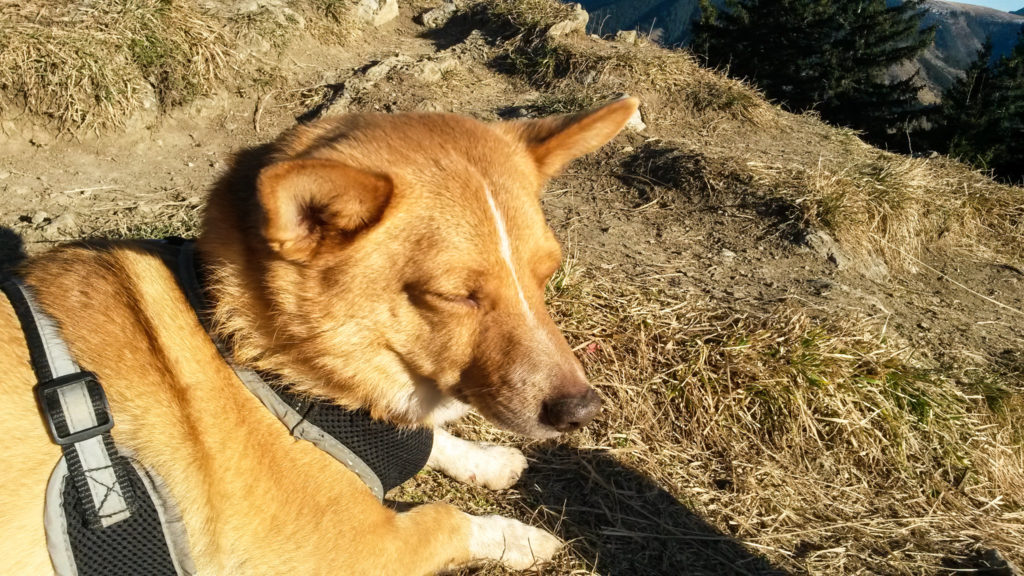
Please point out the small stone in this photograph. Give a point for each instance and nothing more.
(998, 564)
(40, 139)
(382, 68)
(64, 223)
(823, 244)
(727, 254)
(574, 24)
(4, 174)
(429, 73)
(626, 36)
(636, 122)
(438, 17)
(924, 326)
(39, 217)
(377, 12)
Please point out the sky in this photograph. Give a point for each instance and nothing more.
(1004, 5)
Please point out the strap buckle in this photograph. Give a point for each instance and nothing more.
(48, 396)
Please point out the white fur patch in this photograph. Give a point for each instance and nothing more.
(506, 251)
(488, 465)
(514, 544)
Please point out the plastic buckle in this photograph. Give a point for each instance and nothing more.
(45, 392)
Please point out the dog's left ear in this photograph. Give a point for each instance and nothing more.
(554, 142)
(307, 203)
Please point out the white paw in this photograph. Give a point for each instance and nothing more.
(488, 465)
(514, 544)
(493, 467)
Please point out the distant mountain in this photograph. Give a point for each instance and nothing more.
(961, 29)
(1018, 12)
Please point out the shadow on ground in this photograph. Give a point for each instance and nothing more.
(624, 524)
(12, 250)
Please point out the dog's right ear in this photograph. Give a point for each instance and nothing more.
(309, 202)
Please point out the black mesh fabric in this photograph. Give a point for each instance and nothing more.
(394, 454)
(132, 547)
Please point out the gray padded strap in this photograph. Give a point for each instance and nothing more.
(107, 496)
(57, 542)
(58, 357)
(51, 360)
(299, 427)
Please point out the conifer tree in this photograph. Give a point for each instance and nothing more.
(827, 55)
(982, 115)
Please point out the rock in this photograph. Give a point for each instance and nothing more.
(574, 24)
(39, 217)
(64, 224)
(998, 564)
(823, 245)
(430, 71)
(377, 12)
(727, 255)
(4, 174)
(381, 69)
(636, 122)
(40, 139)
(438, 17)
(626, 36)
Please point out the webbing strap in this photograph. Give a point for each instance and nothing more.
(75, 408)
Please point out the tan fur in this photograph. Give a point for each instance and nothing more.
(358, 258)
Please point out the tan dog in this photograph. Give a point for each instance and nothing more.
(395, 263)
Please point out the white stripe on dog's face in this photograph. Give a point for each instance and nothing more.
(506, 252)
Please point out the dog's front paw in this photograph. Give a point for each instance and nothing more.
(488, 465)
(514, 544)
(493, 467)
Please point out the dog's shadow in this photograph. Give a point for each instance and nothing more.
(12, 250)
(623, 523)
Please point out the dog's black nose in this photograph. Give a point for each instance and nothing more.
(571, 412)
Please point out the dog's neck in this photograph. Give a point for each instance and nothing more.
(242, 315)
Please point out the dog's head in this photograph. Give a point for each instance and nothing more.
(402, 260)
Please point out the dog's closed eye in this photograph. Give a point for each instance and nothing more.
(424, 297)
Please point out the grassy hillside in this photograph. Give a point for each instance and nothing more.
(810, 348)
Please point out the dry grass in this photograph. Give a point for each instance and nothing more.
(893, 206)
(93, 64)
(876, 204)
(750, 444)
(669, 81)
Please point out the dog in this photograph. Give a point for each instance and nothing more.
(391, 263)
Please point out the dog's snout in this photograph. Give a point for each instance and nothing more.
(569, 413)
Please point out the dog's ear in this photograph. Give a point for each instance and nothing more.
(308, 202)
(558, 140)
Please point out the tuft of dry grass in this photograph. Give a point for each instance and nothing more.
(93, 64)
(573, 65)
(876, 203)
(90, 65)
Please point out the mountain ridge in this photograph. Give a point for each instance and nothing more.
(960, 31)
